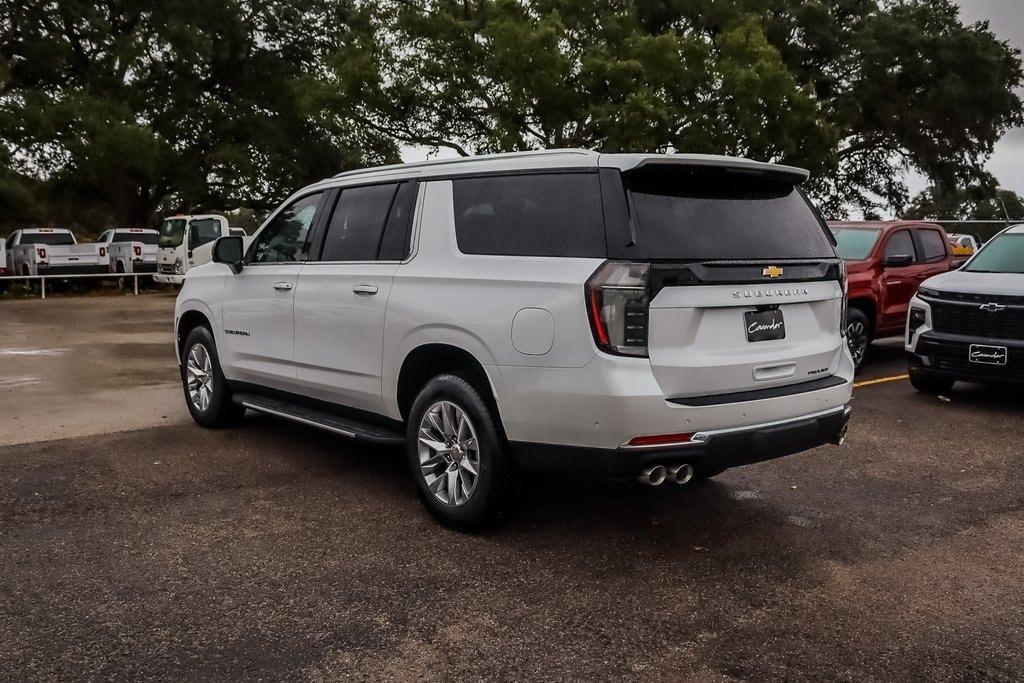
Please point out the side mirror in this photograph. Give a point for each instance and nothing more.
(228, 250)
(901, 261)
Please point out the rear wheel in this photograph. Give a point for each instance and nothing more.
(929, 383)
(207, 393)
(458, 456)
(858, 336)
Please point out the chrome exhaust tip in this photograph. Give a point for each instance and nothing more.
(840, 437)
(681, 474)
(653, 475)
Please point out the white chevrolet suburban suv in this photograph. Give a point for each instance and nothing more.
(617, 315)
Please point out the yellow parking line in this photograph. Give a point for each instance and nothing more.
(869, 382)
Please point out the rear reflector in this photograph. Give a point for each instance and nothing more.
(660, 440)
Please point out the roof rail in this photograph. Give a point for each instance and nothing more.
(459, 160)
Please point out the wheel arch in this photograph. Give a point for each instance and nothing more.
(427, 361)
(188, 321)
(868, 307)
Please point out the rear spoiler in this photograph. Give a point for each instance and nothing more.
(790, 174)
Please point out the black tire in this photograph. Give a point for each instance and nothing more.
(123, 283)
(858, 336)
(929, 383)
(218, 410)
(495, 488)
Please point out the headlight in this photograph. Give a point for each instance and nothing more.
(917, 318)
(178, 266)
(925, 291)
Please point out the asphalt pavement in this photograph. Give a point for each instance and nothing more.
(134, 544)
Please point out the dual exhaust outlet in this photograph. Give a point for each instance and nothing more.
(656, 475)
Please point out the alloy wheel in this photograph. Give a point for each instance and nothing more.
(199, 377)
(857, 339)
(449, 453)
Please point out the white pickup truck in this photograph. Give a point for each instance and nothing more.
(52, 251)
(130, 250)
(186, 242)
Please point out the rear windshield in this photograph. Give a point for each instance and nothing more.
(172, 232)
(48, 238)
(1004, 254)
(718, 215)
(144, 237)
(854, 244)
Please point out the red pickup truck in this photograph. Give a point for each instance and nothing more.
(885, 263)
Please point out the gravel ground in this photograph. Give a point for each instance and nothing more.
(137, 545)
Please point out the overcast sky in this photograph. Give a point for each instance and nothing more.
(1007, 22)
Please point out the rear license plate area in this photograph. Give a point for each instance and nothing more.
(988, 355)
(765, 325)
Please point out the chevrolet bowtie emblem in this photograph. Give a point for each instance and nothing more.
(992, 308)
(772, 272)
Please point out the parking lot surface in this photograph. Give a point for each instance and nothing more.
(135, 544)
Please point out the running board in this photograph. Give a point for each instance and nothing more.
(353, 429)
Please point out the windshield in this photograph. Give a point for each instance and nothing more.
(854, 244)
(702, 214)
(1004, 254)
(48, 238)
(144, 237)
(172, 232)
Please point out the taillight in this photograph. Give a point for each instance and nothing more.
(844, 283)
(660, 440)
(137, 249)
(103, 252)
(41, 252)
(616, 296)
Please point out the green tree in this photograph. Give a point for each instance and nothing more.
(977, 203)
(113, 110)
(858, 91)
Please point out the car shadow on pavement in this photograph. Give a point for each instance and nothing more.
(627, 516)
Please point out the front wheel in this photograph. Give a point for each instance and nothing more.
(858, 336)
(207, 393)
(458, 456)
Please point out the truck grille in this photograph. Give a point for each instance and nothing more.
(954, 357)
(167, 268)
(969, 319)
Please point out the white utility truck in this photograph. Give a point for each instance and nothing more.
(130, 250)
(52, 251)
(186, 242)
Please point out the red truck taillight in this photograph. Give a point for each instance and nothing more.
(103, 252)
(616, 296)
(41, 253)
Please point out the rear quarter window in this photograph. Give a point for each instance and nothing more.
(933, 244)
(537, 214)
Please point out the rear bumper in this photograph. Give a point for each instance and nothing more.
(948, 355)
(168, 279)
(74, 270)
(721, 449)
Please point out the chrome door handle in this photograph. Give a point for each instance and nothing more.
(890, 283)
(364, 289)
(282, 286)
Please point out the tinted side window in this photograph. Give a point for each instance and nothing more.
(394, 245)
(934, 244)
(284, 238)
(544, 214)
(900, 244)
(358, 223)
(203, 230)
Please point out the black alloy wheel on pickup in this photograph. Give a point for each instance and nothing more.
(858, 336)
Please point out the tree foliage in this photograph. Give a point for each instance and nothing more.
(125, 107)
(111, 110)
(974, 203)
